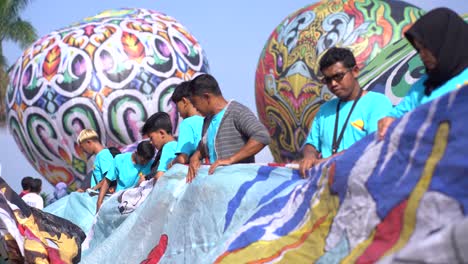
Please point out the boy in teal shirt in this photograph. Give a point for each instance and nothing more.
(190, 128)
(127, 169)
(158, 128)
(89, 142)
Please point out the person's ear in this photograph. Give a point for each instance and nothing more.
(355, 72)
(185, 101)
(207, 97)
(162, 133)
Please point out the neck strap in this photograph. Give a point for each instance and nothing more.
(336, 142)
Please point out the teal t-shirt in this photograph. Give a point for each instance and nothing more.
(211, 134)
(167, 155)
(126, 172)
(416, 96)
(190, 130)
(362, 122)
(102, 163)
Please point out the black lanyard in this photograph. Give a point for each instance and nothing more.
(336, 143)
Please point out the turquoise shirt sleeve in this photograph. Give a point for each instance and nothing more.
(113, 170)
(186, 142)
(167, 155)
(411, 100)
(146, 169)
(314, 134)
(102, 164)
(382, 108)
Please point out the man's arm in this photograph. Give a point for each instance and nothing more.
(251, 148)
(181, 158)
(194, 166)
(99, 185)
(102, 193)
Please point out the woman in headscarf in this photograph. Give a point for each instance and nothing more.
(441, 39)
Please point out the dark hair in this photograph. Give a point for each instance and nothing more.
(159, 120)
(36, 186)
(113, 184)
(114, 151)
(182, 90)
(26, 182)
(145, 150)
(334, 55)
(204, 83)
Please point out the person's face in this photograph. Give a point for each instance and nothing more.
(341, 81)
(86, 146)
(201, 103)
(157, 138)
(428, 59)
(183, 107)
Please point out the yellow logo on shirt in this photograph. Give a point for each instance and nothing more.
(359, 124)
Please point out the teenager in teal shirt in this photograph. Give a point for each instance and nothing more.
(346, 119)
(89, 142)
(441, 39)
(190, 128)
(128, 169)
(158, 128)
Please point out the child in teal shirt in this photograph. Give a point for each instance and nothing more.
(158, 128)
(190, 129)
(127, 169)
(89, 142)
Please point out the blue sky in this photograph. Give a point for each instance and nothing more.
(232, 33)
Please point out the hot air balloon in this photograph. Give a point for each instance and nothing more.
(108, 73)
(287, 87)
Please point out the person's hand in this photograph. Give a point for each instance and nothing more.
(307, 163)
(383, 125)
(193, 169)
(221, 162)
(80, 190)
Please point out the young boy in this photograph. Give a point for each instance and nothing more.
(127, 169)
(190, 129)
(89, 142)
(33, 197)
(158, 128)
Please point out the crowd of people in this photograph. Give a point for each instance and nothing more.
(222, 132)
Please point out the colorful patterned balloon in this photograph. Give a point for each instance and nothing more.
(287, 87)
(109, 73)
(393, 71)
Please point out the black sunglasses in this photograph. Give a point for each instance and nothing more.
(337, 77)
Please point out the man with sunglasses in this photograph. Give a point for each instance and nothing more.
(342, 121)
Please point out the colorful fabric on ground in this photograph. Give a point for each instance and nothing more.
(400, 200)
(28, 235)
(78, 208)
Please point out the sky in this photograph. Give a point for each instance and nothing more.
(232, 33)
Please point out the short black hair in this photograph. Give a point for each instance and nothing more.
(113, 184)
(204, 83)
(334, 55)
(182, 90)
(159, 120)
(26, 182)
(36, 186)
(145, 150)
